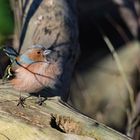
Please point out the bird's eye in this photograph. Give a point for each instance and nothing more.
(38, 52)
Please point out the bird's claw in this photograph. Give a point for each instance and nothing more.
(21, 101)
(40, 100)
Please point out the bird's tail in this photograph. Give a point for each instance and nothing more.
(10, 52)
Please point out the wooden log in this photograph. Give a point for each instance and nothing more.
(53, 120)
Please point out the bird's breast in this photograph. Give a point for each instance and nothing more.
(34, 77)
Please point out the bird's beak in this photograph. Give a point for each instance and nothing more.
(46, 52)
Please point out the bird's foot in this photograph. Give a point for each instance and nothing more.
(40, 100)
(21, 101)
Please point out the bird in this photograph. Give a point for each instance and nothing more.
(31, 70)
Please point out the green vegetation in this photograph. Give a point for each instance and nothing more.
(6, 20)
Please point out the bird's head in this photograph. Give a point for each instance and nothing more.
(36, 53)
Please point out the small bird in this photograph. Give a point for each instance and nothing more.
(31, 70)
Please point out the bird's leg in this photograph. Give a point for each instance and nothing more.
(21, 101)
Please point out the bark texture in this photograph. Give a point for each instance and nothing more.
(54, 120)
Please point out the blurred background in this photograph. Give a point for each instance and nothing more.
(106, 83)
(100, 88)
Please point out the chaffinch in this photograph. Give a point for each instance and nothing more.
(31, 70)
